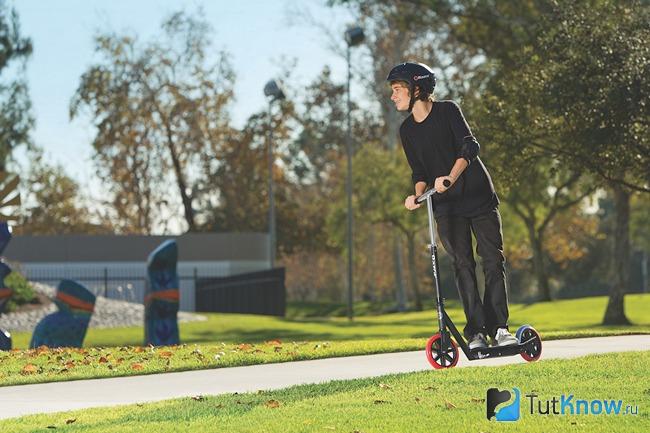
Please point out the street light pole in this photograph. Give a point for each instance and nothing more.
(272, 229)
(348, 191)
(275, 92)
(353, 36)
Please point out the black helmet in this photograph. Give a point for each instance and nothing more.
(415, 74)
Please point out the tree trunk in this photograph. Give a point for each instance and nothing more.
(414, 272)
(615, 312)
(372, 283)
(539, 270)
(399, 276)
(182, 186)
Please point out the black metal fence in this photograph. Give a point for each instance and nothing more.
(261, 292)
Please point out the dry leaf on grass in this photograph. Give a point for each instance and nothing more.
(70, 421)
(137, 366)
(449, 405)
(29, 369)
(273, 404)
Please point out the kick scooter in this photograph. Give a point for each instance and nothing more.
(441, 350)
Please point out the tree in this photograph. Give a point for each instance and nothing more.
(380, 201)
(159, 108)
(53, 204)
(589, 73)
(16, 120)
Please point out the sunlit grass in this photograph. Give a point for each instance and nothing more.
(449, 400)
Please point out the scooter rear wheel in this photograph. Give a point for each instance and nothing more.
(438, 357)
(533, 350)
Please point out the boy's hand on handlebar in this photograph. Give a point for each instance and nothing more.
(439, 183)
(410, 204)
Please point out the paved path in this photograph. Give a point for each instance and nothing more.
(62, 396)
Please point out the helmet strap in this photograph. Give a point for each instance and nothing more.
(412, 100)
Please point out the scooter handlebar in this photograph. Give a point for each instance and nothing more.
(426, 194)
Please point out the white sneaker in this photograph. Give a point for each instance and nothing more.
(504, 338)
(478, 341)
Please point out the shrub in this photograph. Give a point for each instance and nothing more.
(23, 290)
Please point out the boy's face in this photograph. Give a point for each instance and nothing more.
(400, 96)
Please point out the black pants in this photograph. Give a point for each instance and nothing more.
(456, 235)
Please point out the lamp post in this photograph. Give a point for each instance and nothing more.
(272, 90)
(353, 37)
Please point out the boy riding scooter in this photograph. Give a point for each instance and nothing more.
(443, 153)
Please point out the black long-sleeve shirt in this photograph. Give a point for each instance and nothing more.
(432, 148)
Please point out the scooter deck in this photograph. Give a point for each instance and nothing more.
(496, 351)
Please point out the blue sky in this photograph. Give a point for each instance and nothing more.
(256, 33)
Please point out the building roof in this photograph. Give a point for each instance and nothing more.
(136, 248)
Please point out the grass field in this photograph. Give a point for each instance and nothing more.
(567, 317)
(233, 340)
(448, 400)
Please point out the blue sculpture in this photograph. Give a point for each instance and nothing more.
(5, 236)
(5, 292)
(161, 299)
(67, 327)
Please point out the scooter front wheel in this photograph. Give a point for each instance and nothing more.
(439, 357)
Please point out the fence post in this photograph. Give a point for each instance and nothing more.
(105, 282)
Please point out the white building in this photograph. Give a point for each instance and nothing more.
(115, 266)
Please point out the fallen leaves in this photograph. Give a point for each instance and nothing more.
(449, 405)
(385, 386)
(272, 404)
(29, 369)
(70, 421)
(32, 364)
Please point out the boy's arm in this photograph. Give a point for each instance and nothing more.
(467, 148)
(420, 187)
(459, 166)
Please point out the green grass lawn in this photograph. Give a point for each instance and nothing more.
(559, 318)
(447, 400)
(233, 340)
